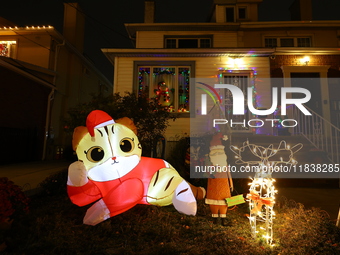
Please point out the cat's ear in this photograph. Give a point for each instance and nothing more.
(128, 123)
(78, 134)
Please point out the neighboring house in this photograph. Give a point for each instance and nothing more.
(43, 74)
(234, 48)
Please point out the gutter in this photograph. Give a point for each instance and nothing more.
(49, 101)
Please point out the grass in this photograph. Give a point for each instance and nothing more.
(54, 226)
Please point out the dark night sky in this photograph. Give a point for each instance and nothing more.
(105, 18)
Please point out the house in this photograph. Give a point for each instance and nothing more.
(43, 74)
(233, 48)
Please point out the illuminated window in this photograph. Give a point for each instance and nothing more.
(7, 48)
(169, 85)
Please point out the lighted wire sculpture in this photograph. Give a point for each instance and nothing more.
(261, 197)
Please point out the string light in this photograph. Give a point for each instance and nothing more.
(27, 27)
(262, 190)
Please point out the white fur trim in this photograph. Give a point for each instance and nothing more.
(215, 202)
(216, 147)
(105, 123)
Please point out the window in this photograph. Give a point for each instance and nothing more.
(7, 48)
(242, 12)
(303, 42)
(241, 80)
(188, 43)
(173, 43)
(169, 85)
(205, 43)
(287, 42)
(270, 42)
(230, 15)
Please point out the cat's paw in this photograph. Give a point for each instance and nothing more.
(97, 213)
(77, 174)
(184, 200)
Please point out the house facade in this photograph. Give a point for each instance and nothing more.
(233, 48)
(44, 73)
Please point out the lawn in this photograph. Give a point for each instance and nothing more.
(54, 226)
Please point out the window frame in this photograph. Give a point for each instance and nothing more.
(245, 12)
(179, 37)
(177, 64)
(295, 41)
(249, 74)
(226, 14)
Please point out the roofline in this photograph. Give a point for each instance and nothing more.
(111, 53)
(83, 58)
(59, 37)
(306, 51)
(202, 52)
(132, 28)
(27, 74)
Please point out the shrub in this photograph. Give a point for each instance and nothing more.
(305, 231)
(150, 118)
(13, 204)
(12, 199)
(55, 184)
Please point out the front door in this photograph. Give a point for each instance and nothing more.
(310, 81)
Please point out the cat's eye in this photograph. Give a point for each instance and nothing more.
(126, 145)
(95, 154)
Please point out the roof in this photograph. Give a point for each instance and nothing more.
(199, 52)
(32, 72)
(132, 28)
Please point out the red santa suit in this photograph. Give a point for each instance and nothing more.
(120, 194)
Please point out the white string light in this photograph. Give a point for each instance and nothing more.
(27, 28)
(262, 191)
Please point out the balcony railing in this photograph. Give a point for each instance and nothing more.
(319, 131)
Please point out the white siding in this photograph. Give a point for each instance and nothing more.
(149, 39)
(123, 80)
(225, 39)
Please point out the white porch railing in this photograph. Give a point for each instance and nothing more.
(319, 131)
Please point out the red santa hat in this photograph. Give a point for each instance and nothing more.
(97, 119)
(216, 142)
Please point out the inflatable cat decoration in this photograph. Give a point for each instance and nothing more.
(111, 172)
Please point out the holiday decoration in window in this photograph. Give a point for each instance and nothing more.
(170, 86)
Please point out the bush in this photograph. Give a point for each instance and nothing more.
(13, 205)
(13, 200)
(150, 118)
(55, 184)
(305, 231)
